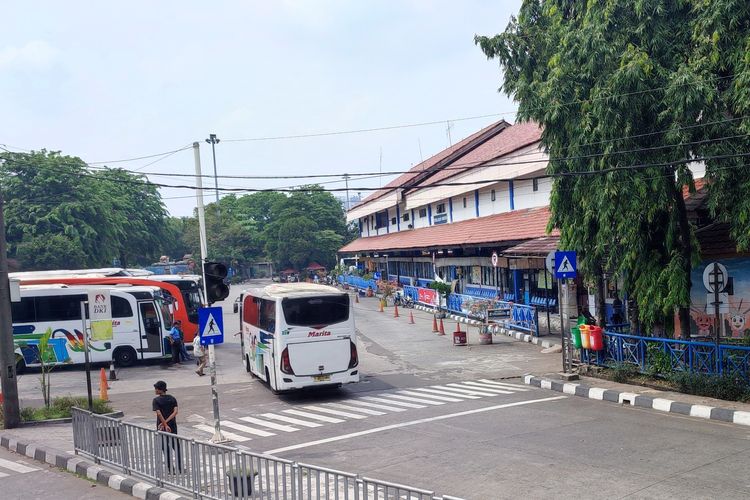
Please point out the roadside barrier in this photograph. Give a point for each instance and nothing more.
(218, 472)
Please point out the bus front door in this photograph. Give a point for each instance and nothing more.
(150, 328)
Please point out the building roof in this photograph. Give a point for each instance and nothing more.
(507, 227)
(534, 248)
(314, 266)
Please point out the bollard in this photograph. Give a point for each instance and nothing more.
(112, 373)
(442, 328)
(459, 337)
(103, 386)
(381, 306)
(434, 324)
(411, 318)
(356, 298)
(395, 310)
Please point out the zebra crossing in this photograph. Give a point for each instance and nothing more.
(293, 419)
(8, 467)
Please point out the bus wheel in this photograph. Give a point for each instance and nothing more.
(20, 365)
(124, 356)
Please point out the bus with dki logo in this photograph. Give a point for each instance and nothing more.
(297, 335)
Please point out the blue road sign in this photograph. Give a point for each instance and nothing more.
(376, 276)
(565, 265)
(211, 325)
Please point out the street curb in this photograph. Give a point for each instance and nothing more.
(660, 404)
(78, 465)
(496, 329)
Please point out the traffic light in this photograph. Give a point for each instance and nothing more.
(214, 274)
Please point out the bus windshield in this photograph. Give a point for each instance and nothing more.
(317, 311)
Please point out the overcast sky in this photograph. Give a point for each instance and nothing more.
(106, 81)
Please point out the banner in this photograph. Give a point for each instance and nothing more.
(100, 314)
(428, 296)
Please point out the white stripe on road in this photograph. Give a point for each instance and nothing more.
(335, 412)
(228, 435)
(354, 408)
(290, 420)
(15, 466)
(493, 390)
(413, 422)
(246, 429)
(495, 382)
(466, 390)
(392, 402)
(3, 474)
(430, 396)
(313, 416)
(270, 425)
(477, 392)
(445, 393)
(359, 402)
(507, 387)
(414, 400)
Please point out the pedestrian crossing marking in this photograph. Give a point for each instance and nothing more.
(335, 412)
(504, 384)
(228, 435)
(477, 391)
(390, 401)
(16, 466)
(494, 390)
(446, 393)
(464, 391)
(270, 425)
(439, 398)
(415, 400)
(3, 474)
(493, 386)
(314, 416)
(359, 402)
(246, 429)
(290, 420)
(354, 408)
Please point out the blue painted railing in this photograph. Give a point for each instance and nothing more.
(359, 283)
(684, 355)
(520, 316)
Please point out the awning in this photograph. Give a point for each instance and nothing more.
(538, 247)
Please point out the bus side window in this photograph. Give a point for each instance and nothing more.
(23, 312)
(268, 315)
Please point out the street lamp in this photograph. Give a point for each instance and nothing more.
(213, 141)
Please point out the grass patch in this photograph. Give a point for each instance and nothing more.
(60, 408)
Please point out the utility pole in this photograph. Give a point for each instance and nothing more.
(8, 380)
(213, 141)
(346, 179)
(218, 437)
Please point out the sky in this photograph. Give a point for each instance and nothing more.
(109, 81)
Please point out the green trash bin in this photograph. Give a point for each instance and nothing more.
(575, 335)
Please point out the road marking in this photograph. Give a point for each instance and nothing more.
(508, 387)
(414, 400)
(270, 425)
(313, 416)
(361, 410)
(244, 428)
(390, 401)
(228, 435)
(503, 384)
(430, 396)
(408, 424)
(335, 412)
(359, 402)
(470, 390)
(290, 420)
(15, 466)
(495, 390)
(445, 393)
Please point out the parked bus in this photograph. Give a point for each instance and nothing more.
(140, 322)
(299, 335)
(179, 307)
(191, 287)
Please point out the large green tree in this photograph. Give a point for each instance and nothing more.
(626, 92)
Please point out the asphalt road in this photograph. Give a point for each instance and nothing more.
(457, 420)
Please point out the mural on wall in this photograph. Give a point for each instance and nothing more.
(61, 341)
(734, 299)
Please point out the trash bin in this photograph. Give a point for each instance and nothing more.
(585, 339)
(596, 338)
(575, 336)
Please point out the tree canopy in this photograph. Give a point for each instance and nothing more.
(630, 93)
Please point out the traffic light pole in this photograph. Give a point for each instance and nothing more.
(218, 437)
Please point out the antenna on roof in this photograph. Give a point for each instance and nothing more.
(448, 127)
(419, 143)
(380, 177)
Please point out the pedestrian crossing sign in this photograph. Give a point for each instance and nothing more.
(565, 265)
(211, 325)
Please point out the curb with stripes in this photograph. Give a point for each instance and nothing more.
(78, 465)
(634, 399)
(495, 328)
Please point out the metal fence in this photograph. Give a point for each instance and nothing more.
(683, 355)
(212, 471)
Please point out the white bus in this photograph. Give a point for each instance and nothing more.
(297, 335)
(140, 319)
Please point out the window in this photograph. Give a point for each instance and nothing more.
(23, 312)
(464, 201)
(250, 311)
(440, 208)
(267, 315)
(120, 308)
(393, 221)
(406, 218)
(381, 220)
(59, 308)
(422, 212)
(535, 184)
(316, 312)
(492, 195)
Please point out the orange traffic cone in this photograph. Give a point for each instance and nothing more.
(395, 310)
(381, 306)
(103, 386)
(411, 318)
(434, 325)
(356, 298)
(442, 328)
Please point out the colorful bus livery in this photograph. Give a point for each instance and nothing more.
(140, 323)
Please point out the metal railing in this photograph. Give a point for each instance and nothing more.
(212, 471)
(358, 282)
(683, 355)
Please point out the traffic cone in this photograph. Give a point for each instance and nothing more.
(381, 306)
(356, 298)
(411, 318)
(103, 386)
(434, 325)
(395, 310)
(112, 373)
(442, 328)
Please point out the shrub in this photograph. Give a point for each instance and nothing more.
(623, 372)
(658, 362)
(713, 386)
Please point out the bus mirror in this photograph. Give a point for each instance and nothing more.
(236, 308)
(107, 345)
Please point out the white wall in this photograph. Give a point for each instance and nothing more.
(501, 203)
(459, 212)
(524, 195)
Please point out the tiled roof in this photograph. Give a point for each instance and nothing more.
(538, 246)
(508, 227)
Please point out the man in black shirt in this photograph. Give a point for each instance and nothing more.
(165, 407)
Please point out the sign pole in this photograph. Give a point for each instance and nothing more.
(86, 356)
(546, 300)
(716, 273)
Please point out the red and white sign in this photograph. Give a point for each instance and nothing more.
(428, 296)
(494, 259)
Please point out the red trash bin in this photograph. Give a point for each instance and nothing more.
(596, 336)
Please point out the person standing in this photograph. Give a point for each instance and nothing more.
(175, 341)
(200, 353)
(165, 407)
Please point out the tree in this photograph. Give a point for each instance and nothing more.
(618, 84)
